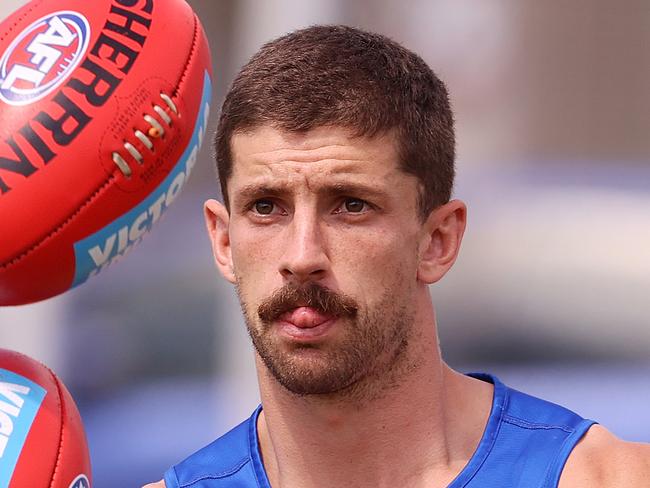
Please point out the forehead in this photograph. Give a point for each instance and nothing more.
(322, 153)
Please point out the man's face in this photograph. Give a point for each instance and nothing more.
(323, 234)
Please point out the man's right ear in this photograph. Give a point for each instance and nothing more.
(217, 221)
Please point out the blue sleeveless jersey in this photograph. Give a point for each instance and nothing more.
(525, 444)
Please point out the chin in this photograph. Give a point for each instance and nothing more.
(308, 370)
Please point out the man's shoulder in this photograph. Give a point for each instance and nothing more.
(601, 459)
(160, 484)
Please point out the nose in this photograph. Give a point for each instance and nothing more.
(305, 257)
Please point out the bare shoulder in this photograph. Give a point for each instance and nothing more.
(160, 484)
(601, 459)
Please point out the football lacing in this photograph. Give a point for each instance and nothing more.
(155, 131)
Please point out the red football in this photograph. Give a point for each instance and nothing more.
(103, 106)
(42, 439)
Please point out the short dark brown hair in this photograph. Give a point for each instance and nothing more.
(345, 77)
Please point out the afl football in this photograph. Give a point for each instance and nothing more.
(103, 107)
(42, 439)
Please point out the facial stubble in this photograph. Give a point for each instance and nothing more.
(365, 360)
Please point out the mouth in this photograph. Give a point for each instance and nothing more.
(305, 323)
(305, 317)
(305, 313)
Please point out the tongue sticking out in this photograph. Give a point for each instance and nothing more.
(305, 317)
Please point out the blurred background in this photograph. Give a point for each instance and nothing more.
(552, 289)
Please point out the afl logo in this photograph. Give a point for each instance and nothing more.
(80, 482)
(42, 57)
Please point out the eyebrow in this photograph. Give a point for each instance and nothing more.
(256, 190)
(348, 188)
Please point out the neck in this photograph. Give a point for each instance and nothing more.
(420, 431)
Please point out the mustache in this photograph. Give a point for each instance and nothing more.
(312, 295)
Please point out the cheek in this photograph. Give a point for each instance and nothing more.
(255, 257)
(377, 258)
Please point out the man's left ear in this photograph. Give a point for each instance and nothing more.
(440, 241)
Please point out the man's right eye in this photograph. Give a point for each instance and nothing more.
(264, 207)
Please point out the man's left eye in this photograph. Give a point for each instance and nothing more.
(354, 205)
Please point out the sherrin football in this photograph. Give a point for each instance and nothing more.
(42, 439)
(103, 106)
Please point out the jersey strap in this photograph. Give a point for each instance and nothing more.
(525, 444)
(233, 460)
